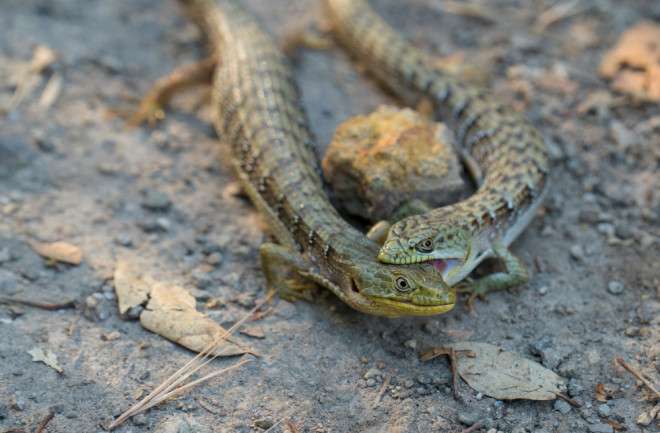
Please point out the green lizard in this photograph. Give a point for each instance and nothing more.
(259, 116)
(507, 156)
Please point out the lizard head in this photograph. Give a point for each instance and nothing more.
(393, 290)
(446, 246)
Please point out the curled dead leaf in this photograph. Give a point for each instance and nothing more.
(171, 314)
(132, 285)
(60, 251)
(504, 375)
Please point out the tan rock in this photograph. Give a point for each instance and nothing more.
(377, 163)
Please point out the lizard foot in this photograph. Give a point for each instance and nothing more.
(475, 288)
(292, 290)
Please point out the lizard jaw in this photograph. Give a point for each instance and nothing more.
(445, 266)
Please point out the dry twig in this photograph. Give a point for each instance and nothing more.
(168, 388)
(646, 382)
(292, 427)
(383, 388)
(41, 305)
(44, 422)
(475, 427)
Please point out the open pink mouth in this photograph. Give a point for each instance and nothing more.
(445, 265)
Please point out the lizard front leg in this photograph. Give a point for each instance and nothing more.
(514, 275)
(273, 260)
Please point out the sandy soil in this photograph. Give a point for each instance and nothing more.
(69, 173)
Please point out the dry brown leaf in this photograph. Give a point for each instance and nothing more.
(254, 331)
(60, 251)
(505, 375)
(47, 357)
(171, 314)
(132, 285)
(615, 425)
(603, 393)
(634, 63)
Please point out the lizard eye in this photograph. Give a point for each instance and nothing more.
(403, 285)
(425, 246)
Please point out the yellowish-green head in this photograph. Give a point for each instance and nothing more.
(391, 290)
(445, 246)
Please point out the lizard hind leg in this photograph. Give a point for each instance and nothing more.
(514, 274)
(274, 258)
(182, 78)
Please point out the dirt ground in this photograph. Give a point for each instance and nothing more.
(158, 197)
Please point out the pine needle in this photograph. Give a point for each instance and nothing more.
(168, 388)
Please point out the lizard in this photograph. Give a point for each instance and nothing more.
(502, 150)
(259, 117)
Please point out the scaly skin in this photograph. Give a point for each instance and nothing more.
(260, 118)
(507, 150)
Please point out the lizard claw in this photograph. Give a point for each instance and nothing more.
(292, 290)
(475, 290)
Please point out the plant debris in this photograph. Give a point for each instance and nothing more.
(501, 374)
(132, 285)
(171, 313)
(59, 251)
(633, 64)
(47, 357)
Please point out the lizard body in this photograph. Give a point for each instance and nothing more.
(508, 155)
(259, 116)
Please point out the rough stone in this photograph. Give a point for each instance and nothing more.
(379, 162)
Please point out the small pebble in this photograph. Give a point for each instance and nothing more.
(114, 335)
(140, 420)
(372, 373)
(577, 252)
(17, 402)
(632, 331)
(409, 383)
(615, 287)
(543, 290)
(606, 229)
(545, 342)
(156, 201)
(214, 258)
(201, 278)
(624, 232)
(5, 255)
(604, 410)
(124, 240)
(57, 408)
(371, 382)
(432, 327)
(562, 406)
(412, 344)
(467, 418)
(645, 418)
(424, 379)
(163, 224)
(96, 307)
(601, 428)
(133, 313)
(172, 424)
(211, 248)
(574, 387)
